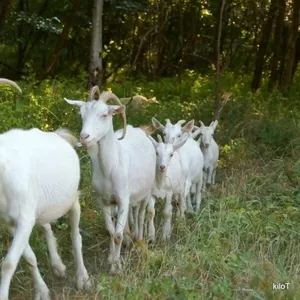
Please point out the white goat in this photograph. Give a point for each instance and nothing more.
(190, 155)
(123, 166)
(137, 103)
(169, 179)
(210, 151)
(39, 183)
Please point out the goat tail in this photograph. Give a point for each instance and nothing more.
(67, 136)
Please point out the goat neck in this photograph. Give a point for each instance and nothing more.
(108, 153)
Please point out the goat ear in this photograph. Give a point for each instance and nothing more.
(154, 142)
(115, 109)
(179, 144)
(180, 122)
(189, 126)
(201, 124)
(157, 124)
(196, 132)
(152, 100)
(78, 103)
(214, 124)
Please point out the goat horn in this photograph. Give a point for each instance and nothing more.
(159, 138)
(93, 91)
(10, 82)
(201, 123)
(167, 120)
(104, 97)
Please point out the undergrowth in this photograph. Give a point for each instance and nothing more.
(247, 235)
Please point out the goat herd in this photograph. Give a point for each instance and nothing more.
(40, 176)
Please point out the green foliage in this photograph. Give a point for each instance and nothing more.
(246, 237)
(261, 122)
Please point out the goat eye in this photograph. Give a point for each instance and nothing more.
(156, 153)
(171, 154)
(104, 116)
(179, 135)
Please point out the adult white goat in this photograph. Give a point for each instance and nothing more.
(39, 183)
(190, 155)
(210, 151)
(123, 166)
(169, 179)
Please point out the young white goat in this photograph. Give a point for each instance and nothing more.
(39, 183)
(123, 166)
(169, 179)
(210, 151)
(190, 155)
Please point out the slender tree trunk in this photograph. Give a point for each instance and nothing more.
(49, 64)
(264, 39)
(291, 49)
(57, 52)
(5, 6)
(96, 67)
(217, 95)
(277, 45)
(297, 56)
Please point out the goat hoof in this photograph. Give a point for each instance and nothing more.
(59, 270)
(43, 294)
(115, 272)
(84, 282)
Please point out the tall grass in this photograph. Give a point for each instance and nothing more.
(247, 235)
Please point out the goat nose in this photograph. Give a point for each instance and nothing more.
(84, 136)
(162, 167)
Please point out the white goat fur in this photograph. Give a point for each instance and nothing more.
(123, 170)
(169, 179)
(39, 183)
(190, 155)
(210, 151)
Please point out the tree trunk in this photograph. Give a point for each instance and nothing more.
(264, 39)
(5, 5)
(289, 60)
(219, 35)
(57, 52)
(277, 45)
(297, 56)
(96, 67)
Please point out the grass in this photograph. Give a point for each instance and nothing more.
(245, 239)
